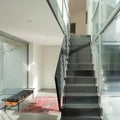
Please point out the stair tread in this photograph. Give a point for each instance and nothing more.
(83, 53)
(87, 85)
(80, 62)
(81, 94)
(79, 117)
(81, 69)
(81, 106)
(80, 77)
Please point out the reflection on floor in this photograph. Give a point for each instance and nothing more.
(12, 114)
(111, 107)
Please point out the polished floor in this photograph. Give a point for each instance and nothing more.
(12, 114)
(111, 107)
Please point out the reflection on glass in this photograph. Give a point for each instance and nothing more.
(111, 67)
(111, 58)
(13, 58)
(65, 15)
(96, 24)
(95, 2)
(107, 7)
(60, 4)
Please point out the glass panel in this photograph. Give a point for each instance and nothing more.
(94, 56)
(65, 15)
(111, 58)
(107, 7)
(1, 67)
(95, 2)
(13, 63)
(60, 4)
(66, 4)
(96, 24)
(1, 61)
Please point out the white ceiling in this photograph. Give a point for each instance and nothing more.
(31, 20)
(76, 6)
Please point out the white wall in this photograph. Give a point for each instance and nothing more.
(50, 59)
(80, 20)
(35, 66)
(42, 66)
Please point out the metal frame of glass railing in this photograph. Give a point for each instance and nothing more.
(62, 61)
(61, 72)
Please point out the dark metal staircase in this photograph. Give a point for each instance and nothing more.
(81, 99)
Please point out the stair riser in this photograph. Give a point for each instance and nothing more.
(81, 112)
(80, 73)
(73, 57)
(76, 48)
(80, 66)
(80, 89)
(80, 55)
(80, 60)
(75, 118)
(80, 39)
(81, 80)
(80, 99)
(80, 36)
(79, 43)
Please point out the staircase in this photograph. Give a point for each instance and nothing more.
(80, 100)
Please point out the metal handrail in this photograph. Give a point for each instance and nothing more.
(60, 72)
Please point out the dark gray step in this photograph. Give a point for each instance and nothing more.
(80, 60)
(78, 98)
(80, 66)
(80, 42)
(82, 118)
(77, 48)
(80, 80)
(80, 88)
(80, 72)
(81, 47)
(80, 54)
(81, 110)
(80, 36)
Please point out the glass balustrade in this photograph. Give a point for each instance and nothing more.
(106, 56)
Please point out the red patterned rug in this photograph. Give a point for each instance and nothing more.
(44, 104)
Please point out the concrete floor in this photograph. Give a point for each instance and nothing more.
(12, 114)
(111, 107)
